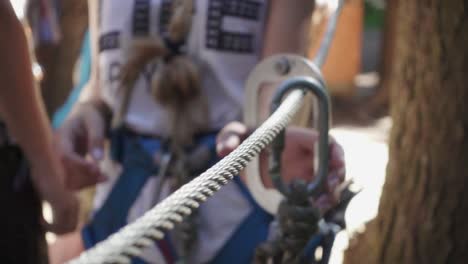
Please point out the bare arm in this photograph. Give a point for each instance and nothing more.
(291, 19)
(20, 104)
(83, 132)
(91, 95)
(91, 92)
(24, 114)
(287, 18)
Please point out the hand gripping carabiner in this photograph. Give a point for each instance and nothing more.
(317, 87)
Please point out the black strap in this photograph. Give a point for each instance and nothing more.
(173, 47)
(5, 139)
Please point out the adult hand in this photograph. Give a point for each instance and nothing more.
(82, 134)
(48, 177)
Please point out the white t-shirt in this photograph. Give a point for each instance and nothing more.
(224, 42)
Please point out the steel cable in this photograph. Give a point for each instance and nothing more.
(326, 42)
(132, 239)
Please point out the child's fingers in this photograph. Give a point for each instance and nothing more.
(230, 138)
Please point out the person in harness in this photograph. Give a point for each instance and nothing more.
(167, 77)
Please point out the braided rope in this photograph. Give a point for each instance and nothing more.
(132, 239)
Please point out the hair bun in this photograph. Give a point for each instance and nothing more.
(176, 82)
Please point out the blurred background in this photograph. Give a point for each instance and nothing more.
(413, 52)
(355, 72)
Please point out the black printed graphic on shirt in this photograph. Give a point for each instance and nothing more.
(141, 17)
(165, 15)
(109, 41)
(220, 39)
(115, 67)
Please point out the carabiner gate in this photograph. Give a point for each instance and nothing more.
(317, 87)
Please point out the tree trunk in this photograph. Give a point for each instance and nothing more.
(423, 209)
(58, 61)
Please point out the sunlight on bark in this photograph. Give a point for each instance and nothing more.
(366, 155)
(18, 5)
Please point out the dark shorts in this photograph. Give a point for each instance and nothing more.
(22, 237)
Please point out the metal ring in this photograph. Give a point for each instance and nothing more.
(317, 87)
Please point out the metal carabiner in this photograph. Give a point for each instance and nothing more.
(274, 69)
(317, 87)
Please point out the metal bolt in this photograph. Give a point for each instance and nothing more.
(283, 66)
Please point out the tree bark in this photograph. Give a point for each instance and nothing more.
(423, 209)
(58, 61)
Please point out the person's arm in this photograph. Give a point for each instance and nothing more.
(291, 20)
(20, 104)
(83, 131)
(24, 115)
(91, 92)
(287, 19)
